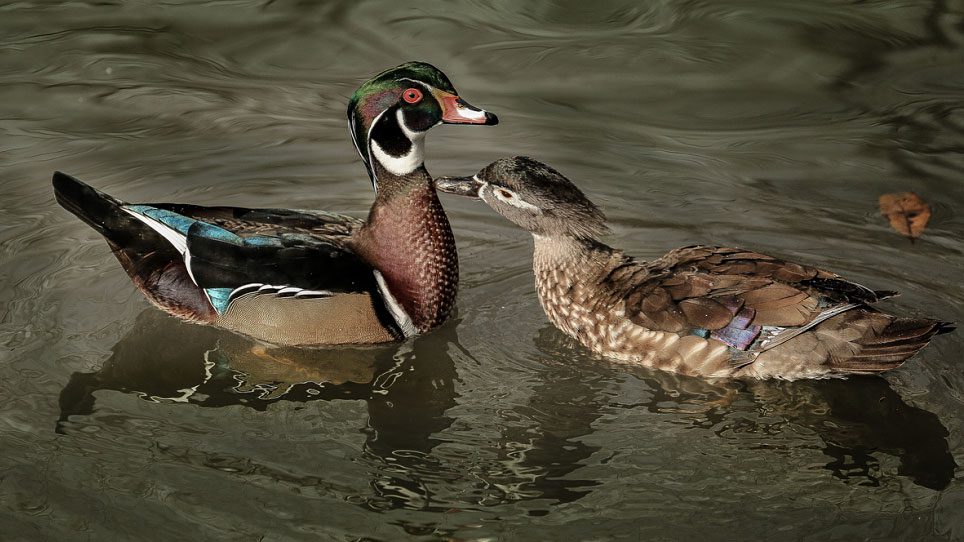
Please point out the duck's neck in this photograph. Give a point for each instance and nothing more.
(585, 256)
(570, 279)
(407, 238)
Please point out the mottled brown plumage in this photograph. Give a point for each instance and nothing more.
(700, 310)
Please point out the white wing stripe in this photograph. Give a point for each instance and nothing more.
(257, 287)
(176, 238)
(173, 236)
(179, 242)
(240, 289)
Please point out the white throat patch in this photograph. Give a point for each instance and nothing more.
(407, 163)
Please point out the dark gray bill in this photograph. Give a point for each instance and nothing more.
(461, 186)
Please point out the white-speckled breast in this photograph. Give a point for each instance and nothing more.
(572, 293)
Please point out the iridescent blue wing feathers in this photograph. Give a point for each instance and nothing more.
(193, 261)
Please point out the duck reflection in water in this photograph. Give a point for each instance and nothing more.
(212, 368)
(207, 367)
(410, 388)
(856, 419)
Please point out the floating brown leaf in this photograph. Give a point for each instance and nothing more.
(907, 213)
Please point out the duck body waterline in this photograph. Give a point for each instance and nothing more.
(293, 277)
(701, 310)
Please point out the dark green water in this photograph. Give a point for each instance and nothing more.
(770, 125)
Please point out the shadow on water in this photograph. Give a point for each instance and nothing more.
(855, 419)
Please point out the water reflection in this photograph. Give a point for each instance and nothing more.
(541, 451)
(858, 418)
(855, 419)
(210, 368)
(407, 407)
(416, 460)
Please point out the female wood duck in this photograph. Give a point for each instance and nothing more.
(306, 277)
(700, 310)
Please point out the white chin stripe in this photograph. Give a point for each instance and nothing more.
(402, 319)
(401, 165)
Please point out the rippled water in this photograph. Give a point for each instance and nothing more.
(769, 125)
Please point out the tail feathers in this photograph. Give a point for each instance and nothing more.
(887, 346)
(147, 246)
(885, 294)
(101, 211)
(136, 229)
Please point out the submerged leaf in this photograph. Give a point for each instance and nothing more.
(907, 213)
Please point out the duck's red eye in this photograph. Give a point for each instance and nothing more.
(412, 95)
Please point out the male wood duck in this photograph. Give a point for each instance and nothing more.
(700, 310)
(307, 277)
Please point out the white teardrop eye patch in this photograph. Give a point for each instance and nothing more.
(513, 199)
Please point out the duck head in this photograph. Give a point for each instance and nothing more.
(534, 196)
(390, 114)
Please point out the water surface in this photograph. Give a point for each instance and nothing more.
(772, 126)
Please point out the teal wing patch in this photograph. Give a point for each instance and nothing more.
(210, 231)
(219, 298)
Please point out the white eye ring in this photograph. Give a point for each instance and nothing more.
(513, 199)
